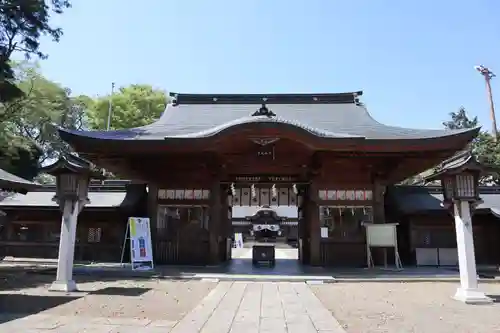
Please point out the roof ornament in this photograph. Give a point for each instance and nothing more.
(174, 98)
(356, 99)
(264, 111)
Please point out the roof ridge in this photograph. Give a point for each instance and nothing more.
(293, 98)
(265, 119)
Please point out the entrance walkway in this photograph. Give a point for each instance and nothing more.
(242, 307)
(283, 254)
(287, 264)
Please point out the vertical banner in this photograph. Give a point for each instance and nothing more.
(141, 248)
(238, 240)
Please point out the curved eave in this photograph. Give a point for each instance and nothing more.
(71, 164)
(63, 166)
(445, 140)
(91, 141)
(94, 141)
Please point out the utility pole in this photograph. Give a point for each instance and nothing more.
(488, 75)
(110, 109)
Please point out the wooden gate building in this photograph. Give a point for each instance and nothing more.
(323, 153)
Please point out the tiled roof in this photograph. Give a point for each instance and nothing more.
(318, 116)
(415, 199)
(44, 199)
(11, 182)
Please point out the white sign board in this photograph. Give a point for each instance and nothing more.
(141, 249)
(383, 235)
(324, 232)
(238, 240)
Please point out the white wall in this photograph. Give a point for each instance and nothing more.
(286, 211)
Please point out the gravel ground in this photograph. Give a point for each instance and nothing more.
(408, 307)
(140, 299)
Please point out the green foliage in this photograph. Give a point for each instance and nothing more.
(21, 161)
(22, 23)
(132, 106)
(484, 147)
(460, 120)
(29, 123)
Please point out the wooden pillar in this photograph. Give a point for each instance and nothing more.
(153, 216)
(314, 225)
(379, 255)
(303, 227)
(378, 201)
(215, 221)
(225, 222)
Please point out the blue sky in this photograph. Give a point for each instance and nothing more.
(413, 59)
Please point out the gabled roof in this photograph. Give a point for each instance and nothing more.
(10, 182)
(264, 211)
(425, 199)
(461, 161)
(192, 116)
(43, 199)
(70, 163)
(108, 194)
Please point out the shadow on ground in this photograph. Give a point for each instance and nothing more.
(15, 306)
(18, 278)
(121, 291)
(495, 298)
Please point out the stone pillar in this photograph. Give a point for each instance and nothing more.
(64, 276)
(468, 291)
(214, 223)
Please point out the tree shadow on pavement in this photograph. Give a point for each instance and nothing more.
(15, 306)
(121, 291)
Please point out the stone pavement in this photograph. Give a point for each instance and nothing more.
(242, 307)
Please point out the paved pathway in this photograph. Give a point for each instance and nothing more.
(259, 308)
(239, 307)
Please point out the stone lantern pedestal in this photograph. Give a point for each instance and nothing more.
(73, 175)
(468, 292)
(459, 178)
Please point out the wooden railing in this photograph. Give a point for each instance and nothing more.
(170, 252)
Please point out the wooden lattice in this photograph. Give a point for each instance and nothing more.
(94, 235)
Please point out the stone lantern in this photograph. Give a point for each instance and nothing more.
(73, 176)
(459, 178)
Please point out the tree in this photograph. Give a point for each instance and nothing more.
(27, 124)
(22, 23)
(132, 106)
(460, 120)
(484, 147)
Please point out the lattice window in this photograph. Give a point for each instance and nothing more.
(345, 223)
(94, 235)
